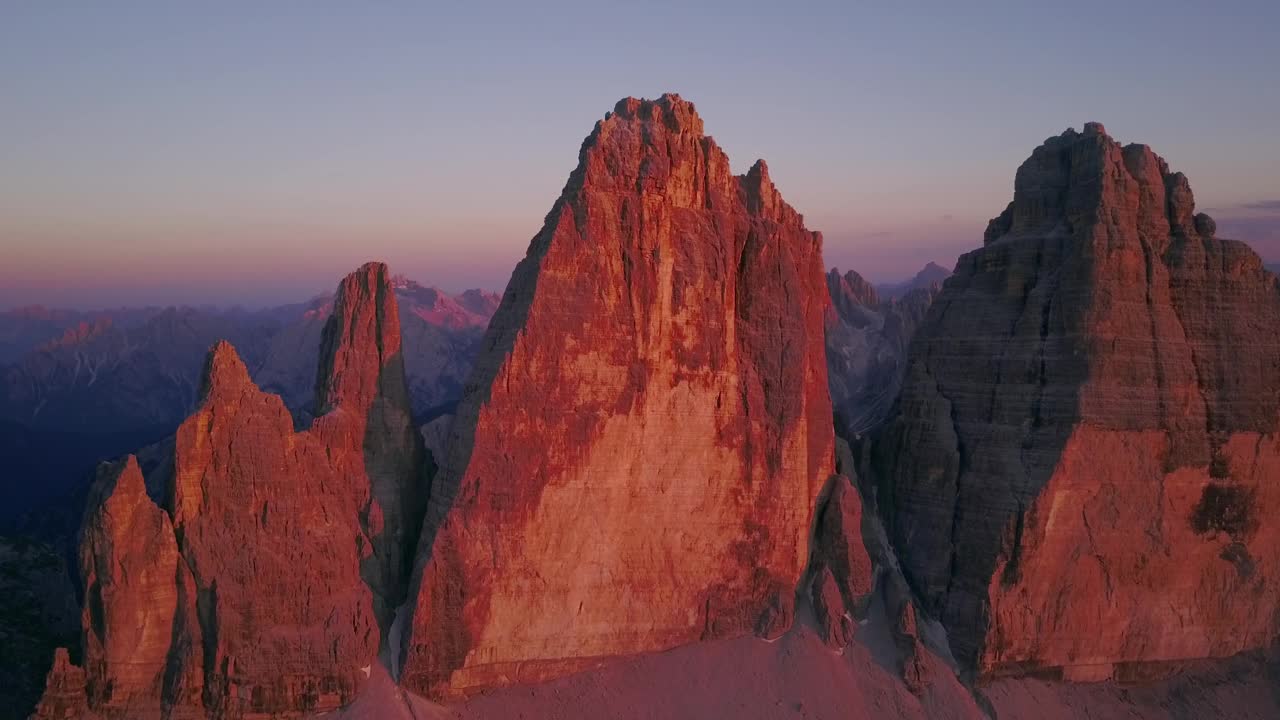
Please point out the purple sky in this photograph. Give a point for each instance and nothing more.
(253, 152)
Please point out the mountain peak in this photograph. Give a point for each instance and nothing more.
(930, 274)
(670, 109)
(224, 371)
(118, 482)
(1100, 338)
(64, 695)
(365, 422)
(850, 287)
(663, 298)
(1077, 179)
(129, 562)
(81, 332)
(763, 198)
(360, 338)
(658, 148)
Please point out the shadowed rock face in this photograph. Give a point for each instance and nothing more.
(1085, 458)
(636, 460)
(841, 575)
(867, 340)
(38, 614)
(124, 373)
(262, 589)
(928, 276)
(365, 420)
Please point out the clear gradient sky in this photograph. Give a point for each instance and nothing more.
(251, 153)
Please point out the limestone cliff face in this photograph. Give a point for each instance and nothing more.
(138, 611)
(636, 459)
(365, 420)
(271, 531)
(64, 692)
(1082, 472)
(263, 588)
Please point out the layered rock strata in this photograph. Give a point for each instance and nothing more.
(1082, 475)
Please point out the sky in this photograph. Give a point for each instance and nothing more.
(252, 153)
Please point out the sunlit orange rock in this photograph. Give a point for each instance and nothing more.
(139, 603)
(266, 587)
(1083, 476)
(303, 540)
(64, 692)
(635, 463)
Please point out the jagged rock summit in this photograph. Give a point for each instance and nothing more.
(635, 463)
(365, 419)
(1085, 468)
(264, 586)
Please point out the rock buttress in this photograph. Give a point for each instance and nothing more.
(636, 459)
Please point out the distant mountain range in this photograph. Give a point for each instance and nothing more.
(133, 368)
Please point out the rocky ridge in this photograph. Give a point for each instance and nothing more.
(265, 584)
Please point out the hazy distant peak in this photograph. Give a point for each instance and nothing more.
(931, 272)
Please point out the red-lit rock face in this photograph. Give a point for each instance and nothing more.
(261, 591)
(1086, 445)
(271, 532)
(842, 570)
(303, 539)
(138, 594)
(64, 692)
(365, 421)
(636, 462)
